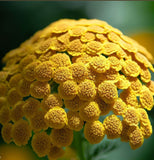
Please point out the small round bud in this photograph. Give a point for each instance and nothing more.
(113, 126)
(94, 132)
(62, 137)
(41, 144)
(56, 118)
(21, 132)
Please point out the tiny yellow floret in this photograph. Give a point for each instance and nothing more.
(68, 90)
(94, 132)
(87, 90)
(108, 92)
(44, 71)
(90, 112)
(50, 101)
(6, 132)
(75, 122)
(30, 107)
(62, 137)
(136, 139)
(56, 118)
(100, 64)
(39, 89)
(55, 152)
(21, 132)
(41, 144)
(131, 116)
(113, 126)
(62, 74)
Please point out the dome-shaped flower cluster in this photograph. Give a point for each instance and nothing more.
(68, 75)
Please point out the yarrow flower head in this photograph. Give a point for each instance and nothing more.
(65, 77)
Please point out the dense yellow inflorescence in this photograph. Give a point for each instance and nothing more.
(65, 77)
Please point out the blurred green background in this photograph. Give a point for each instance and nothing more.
(20, 20)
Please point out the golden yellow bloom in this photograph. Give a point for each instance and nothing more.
(110, 75)
(39, 89)
(37, 122)
(61, 26)
(101, 37)
(145, 74)
(44, 71)
(51, 101)
(92, 75)
(28, 72)
(131, 116)
(13, 96)
(100, 64)
(94, 48)
(94, 132)
(79, 71)
(130, 98)
(56, 118)
(74, 121)
(84, 58)
(4, 115)
(25, 61)
(30, 107)
(41, 144)
(17, 111)
(60, 60)
(135, 85)
(115, 62)
(109, 48)
(122, 82)
(62, 74)
(136, 138)
(88, 36)
(131, 68)
(146, 129)
(44, 47)
(104, 107)
(87, 90)
(75, 104)
(46, 56)
(23, 88)
(95, 29)
(108, 92)
(6, 132)
(119, 107)
(75, 48)
(145, 124)
(150, 85)
(125, 132)
(71, 73)
(144, 119)
(90, 112)
(113, 126)
(13, 82)
(21, 132)
(142, 59)
(55, 152)
(62, 137)
(146, 99)
(64, 38)
(56, 45)
(68, 90)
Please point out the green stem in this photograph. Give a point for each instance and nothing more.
(79, 145)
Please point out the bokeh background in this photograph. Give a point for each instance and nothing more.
(20, 20)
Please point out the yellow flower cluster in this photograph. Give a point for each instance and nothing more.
(68, 75)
